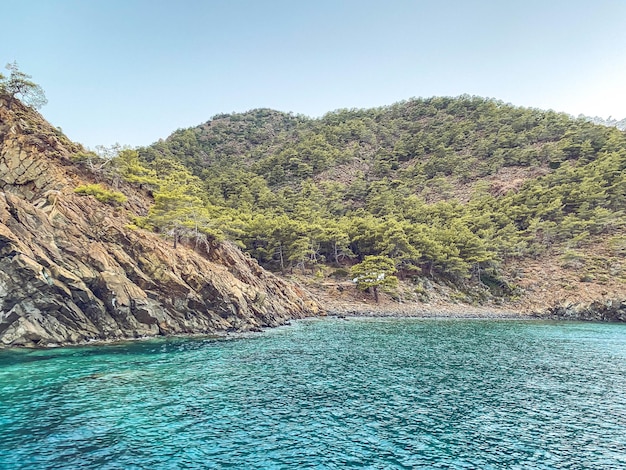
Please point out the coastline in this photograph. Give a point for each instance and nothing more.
(363, 309)
(346, 302)
(343, 310)
(611, 310)
(459, 311)
(443, 314)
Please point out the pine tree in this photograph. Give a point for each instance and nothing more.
(375, 272)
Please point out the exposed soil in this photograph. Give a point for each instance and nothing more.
(593, 273)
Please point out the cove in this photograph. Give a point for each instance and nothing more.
(325, 393)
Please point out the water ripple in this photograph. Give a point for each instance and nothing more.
(326, 394)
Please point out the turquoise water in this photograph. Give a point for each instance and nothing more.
(365, 393)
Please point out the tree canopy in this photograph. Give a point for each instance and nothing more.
(374, 272)
(19, 85)
(448, 187)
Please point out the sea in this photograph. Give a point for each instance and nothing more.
(372, 393)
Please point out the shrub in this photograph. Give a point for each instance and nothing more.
(101, 194)
(340, 273)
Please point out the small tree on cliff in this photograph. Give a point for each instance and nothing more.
(18, 84)
(374, 272)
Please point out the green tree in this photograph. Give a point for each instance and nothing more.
(374, 272)
(181, 216)
(336, 238)
(131, 169)
(178, 211)
(296, 191)
(19, 85)
(395, 244)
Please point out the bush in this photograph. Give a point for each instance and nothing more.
(82, 156)
(340, 273)
(102, 194)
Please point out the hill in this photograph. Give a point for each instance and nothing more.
(488, 201)
(73, 268)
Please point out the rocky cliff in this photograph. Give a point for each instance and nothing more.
(73, 270)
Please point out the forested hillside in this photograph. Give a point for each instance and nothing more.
(462, 189)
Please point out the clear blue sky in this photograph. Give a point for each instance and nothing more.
(132, 71)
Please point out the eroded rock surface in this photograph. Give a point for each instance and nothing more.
(613, 310)
(71, 270)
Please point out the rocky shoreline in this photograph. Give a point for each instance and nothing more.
(600, 311)
(442, 312)
(612, 310)
(74, 268)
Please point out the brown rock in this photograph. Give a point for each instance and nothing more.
(71, 270)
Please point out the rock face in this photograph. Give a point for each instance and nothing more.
(71, 270)
(609, 310)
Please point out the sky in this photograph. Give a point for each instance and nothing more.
(133, 71)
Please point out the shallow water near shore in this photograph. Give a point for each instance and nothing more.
(362, 392)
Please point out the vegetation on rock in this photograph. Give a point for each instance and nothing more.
(74, 269)
(101, 194)
(457, 188)
(19, 85)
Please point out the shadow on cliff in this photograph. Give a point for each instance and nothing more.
(72, 269)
